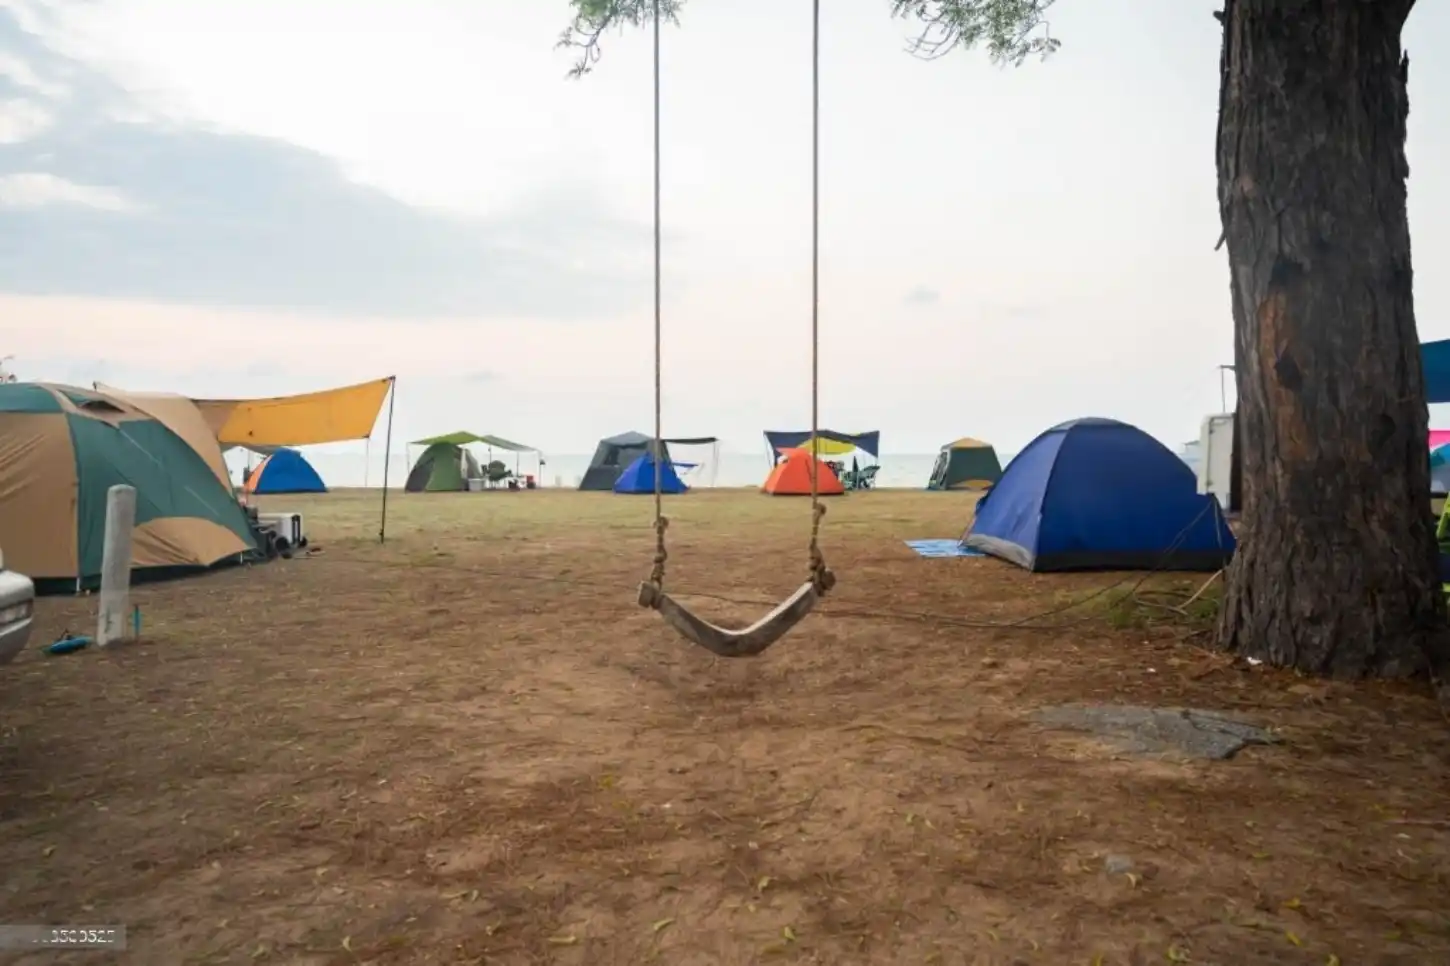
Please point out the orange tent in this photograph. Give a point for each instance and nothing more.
(792, 476)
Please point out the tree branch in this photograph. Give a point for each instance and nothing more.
(594, 18)
(1010, 30)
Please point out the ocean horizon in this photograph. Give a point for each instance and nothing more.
(564, 471)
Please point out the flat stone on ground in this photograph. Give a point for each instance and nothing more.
(1159, 731)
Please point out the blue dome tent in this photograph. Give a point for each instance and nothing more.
(284, 471)
(639, 477)
(1097, 494)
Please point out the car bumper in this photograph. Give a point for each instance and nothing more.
(13, 638)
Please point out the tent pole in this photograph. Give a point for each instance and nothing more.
(387, 457)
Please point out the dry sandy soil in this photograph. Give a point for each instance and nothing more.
(469, 745)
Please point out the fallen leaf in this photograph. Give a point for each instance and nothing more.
(1293, 939)
(347, 943)
(1133, 879)
(563, 940)
(662, 924)
(788, 934)
(765, 881)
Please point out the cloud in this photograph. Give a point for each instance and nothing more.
(21, 120)
(923, 295)
(41, 190)
(105, 200)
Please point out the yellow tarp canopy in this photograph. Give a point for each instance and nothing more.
(332, 416)
(822, 447)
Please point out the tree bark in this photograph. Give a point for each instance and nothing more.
(1336, 571)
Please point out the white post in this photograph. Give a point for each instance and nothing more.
(116, 565)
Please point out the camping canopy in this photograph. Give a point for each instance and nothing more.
(639, 477)
(792, 476)
(615, 453)
(827, 442)
(965, 464)
(284, 471)
(1097, 494)
(463, 438)
(61, 450)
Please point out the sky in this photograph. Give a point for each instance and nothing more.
(257, 197)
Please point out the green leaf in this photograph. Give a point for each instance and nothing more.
(1010, 30)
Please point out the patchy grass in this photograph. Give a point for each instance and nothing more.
(1166, 601)
(468, 745)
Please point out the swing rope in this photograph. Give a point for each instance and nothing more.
(657, 447)
(820, 574)
(756, 638)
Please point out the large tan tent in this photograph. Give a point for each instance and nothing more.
(61, 450)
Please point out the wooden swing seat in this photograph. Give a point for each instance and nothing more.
(746, 641)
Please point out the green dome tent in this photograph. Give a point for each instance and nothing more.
(443, 467)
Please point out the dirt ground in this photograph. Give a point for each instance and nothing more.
(469, 745)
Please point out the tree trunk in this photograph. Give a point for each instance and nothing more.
(1336, 571)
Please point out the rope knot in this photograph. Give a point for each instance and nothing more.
(662, 553)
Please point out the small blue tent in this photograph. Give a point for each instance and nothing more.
(639, 477)
(285, 471)
(1097, 494)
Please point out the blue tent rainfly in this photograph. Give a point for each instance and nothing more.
(639, 477)
(1097, 494)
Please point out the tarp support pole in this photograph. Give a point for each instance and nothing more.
(387, 456)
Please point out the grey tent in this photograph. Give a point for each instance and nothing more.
(613, 455)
